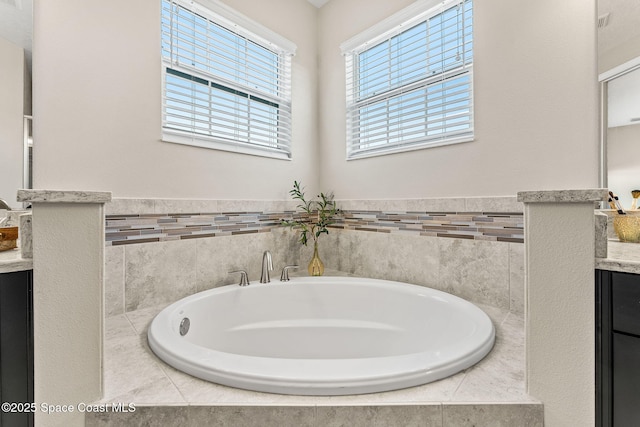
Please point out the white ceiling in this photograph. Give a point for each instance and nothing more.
(624, 18)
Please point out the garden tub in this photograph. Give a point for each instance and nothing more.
(322, 335)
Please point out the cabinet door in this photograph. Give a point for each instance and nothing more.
(626, 380)
(626, 303)
(16, 345)
(604, 364)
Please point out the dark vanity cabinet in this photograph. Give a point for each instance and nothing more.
(617, 349)
(16, 348)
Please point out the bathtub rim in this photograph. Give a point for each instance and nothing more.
(331, 385)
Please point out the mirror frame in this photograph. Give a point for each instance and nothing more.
(27, 144)
(604, 80)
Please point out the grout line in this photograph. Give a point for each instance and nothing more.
(509, 276)
(156, 361)
(137, 334)
(467, 371)
(123, 277)
(164, 372)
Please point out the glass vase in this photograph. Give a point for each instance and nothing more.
(316, 266)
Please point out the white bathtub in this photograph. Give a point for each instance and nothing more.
(322, 335)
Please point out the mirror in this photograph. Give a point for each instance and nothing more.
(16, 29)
(619, 76)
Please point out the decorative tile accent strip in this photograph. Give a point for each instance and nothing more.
(143, 228)
(501, 227)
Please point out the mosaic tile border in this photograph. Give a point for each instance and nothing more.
(145, 228)
(492, 226)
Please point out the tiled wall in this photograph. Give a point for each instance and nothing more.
(156, 257)
(415, 414)
(501, 227)
(145, 228)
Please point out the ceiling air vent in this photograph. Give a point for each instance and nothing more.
(635, 119)
(603, 20)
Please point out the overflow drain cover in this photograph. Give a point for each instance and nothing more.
(184, 326)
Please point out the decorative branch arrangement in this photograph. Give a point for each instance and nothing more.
(320, 214)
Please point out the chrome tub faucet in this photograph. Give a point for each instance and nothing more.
(267, 265)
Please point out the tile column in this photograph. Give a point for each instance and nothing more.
(559, 303)
(68, 263)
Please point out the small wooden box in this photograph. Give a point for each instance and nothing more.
(8, 238)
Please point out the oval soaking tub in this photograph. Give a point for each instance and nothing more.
(322, 335)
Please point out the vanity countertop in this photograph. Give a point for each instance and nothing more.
(624, 257)
(12, 260)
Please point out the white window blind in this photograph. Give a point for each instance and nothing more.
(224, 86)
(411, 86)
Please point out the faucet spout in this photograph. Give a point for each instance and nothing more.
(267, 265)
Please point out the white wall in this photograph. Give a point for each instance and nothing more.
(11, 118)
(619, 54)
(623, 154)
(536, 100)
(559, 305)
(98, 92)
(68, 249)
(97, 101)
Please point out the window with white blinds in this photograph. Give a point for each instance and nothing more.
(224, 86)
(410, 80)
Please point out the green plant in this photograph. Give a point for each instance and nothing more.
(317, 214)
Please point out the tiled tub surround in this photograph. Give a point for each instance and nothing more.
(492, 393)
(145, 228)
(143, 278)
(144, 275)
(126, 206)
(501, 227)
(395, 240)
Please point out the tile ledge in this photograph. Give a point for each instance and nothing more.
(622, 266)
(63, 196)
(563, 196)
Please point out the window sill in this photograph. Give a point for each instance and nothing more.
(375, 152)
(183, 138)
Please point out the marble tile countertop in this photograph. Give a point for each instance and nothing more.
(623, 257)
(63, 196)
(12, 260)
(563, 196)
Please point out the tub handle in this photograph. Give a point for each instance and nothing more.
(244, 278)
(284, 277)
